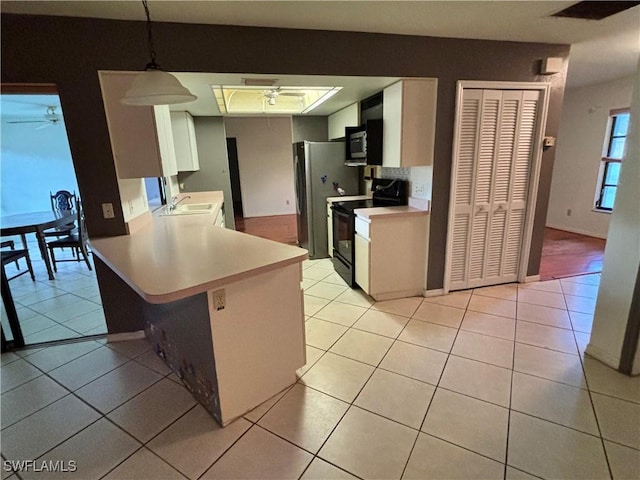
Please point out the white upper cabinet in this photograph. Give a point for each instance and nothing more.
(141, 139)
(347, 117)
(184, 139)
(409, 115)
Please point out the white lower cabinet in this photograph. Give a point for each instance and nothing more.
(362, 262)
(391, 255)
(219, 221)
(329, 229)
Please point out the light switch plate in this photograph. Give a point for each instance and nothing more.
(107, 210)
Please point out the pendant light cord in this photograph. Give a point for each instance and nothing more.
(152, 65)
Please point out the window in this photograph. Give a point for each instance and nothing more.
(613, 153)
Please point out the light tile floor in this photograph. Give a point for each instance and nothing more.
(413, 388)
(49, 310)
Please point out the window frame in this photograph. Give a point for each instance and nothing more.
(606, 160)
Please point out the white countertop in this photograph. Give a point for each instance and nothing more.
(347, 198)
(405, 210)
(174, 257)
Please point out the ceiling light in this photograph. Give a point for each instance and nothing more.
(155, 86)
(281, 100)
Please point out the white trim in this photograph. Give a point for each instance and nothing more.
(438, 292)
(532, 279)
(578, 230)
(125, 336)
(534, 180)
(606, 358)
(534, 175)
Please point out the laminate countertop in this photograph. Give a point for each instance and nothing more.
(174, 257)
(405, 210)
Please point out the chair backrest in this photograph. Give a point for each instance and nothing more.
(82, 229)
(63, 200)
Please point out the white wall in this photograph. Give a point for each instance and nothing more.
(34, 162)
(621, 256)
(265, 159)
(583, 127)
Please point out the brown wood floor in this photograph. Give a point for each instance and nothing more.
(280, 228)
(565, 254)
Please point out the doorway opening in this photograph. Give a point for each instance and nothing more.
(37, 163)
(234, 174)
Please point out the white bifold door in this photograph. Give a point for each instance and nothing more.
(496, 134)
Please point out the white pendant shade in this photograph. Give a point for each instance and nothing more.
(156, 87)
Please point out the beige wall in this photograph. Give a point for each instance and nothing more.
(613, 319)
(265, 160)
(583, 128)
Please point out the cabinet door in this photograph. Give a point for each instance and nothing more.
(165, 140)
(329, 230)
(409, 114)
(362, 247)
(392, 131)
(132, 129)
(184, 138)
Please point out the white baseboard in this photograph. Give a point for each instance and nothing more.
(532, 278)
(578, 231)
(605, 357)
(124, 336)
(433, 293)
(381, 297)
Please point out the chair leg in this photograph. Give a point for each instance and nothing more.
(30, 267)
(53, 260)
(85, 254)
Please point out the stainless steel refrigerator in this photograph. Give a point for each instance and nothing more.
(320, 172)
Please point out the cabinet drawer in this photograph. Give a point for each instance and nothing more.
(362, 227)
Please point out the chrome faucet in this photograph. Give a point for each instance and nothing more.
(174, 202)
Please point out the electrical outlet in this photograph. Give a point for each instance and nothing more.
(130, 206)
(219, 299)
(418, 189)
(107, 210)
(568, 212)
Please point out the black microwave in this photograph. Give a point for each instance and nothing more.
(364, 144)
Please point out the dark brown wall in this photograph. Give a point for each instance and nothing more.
(69, 51)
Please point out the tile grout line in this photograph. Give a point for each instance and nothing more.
(435, 391)
(513, 366)
(593, 406)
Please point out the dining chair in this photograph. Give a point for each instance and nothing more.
(62, 201)
(12, 245)
(76, 240)
(14, 255)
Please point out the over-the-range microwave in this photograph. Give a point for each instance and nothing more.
(364, 144)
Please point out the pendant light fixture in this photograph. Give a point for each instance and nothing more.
(154, 86)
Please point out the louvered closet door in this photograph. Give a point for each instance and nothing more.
(495, 147)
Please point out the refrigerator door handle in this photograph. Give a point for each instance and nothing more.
(296, 172)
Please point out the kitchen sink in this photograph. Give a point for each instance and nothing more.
(190, 209)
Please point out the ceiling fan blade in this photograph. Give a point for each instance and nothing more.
(28, 121)
(293, 94)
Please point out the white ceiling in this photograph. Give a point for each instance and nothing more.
(602, 50)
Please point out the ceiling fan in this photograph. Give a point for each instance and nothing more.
(49, 118)
(272, 94)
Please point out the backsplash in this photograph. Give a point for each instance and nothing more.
(397, 173)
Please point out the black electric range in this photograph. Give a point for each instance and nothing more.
(386, 193)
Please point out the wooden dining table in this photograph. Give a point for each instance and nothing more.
(36, 222)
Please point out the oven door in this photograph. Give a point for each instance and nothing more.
(343, 236)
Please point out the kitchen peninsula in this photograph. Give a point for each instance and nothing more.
(222, 308)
